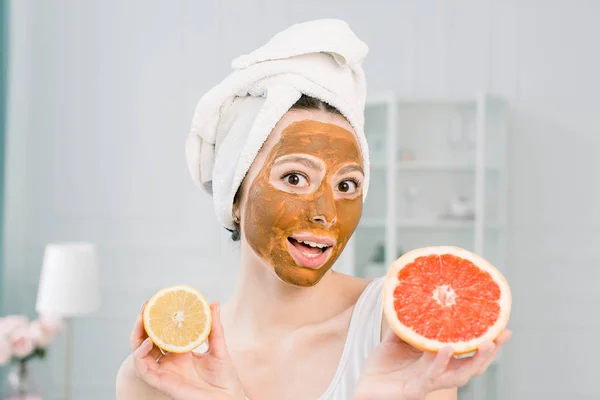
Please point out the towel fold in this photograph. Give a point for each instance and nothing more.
(321, 58)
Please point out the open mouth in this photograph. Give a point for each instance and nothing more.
(310, 252)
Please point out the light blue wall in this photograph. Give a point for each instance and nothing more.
(3, 84)
(3, 81)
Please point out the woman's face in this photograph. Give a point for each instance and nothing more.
(302, 198)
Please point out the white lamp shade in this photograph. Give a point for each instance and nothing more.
(69, 280)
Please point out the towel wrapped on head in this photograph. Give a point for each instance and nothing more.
(322, 59)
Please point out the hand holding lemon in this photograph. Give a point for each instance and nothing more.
(175, 321)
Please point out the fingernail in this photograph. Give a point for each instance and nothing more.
(142, 347)
(217, 309)
(143, 305)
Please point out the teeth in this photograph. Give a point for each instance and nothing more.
(314, 244)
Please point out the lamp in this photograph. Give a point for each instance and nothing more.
(68, 288)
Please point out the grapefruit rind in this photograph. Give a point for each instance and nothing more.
(166, 346)
(425, 344)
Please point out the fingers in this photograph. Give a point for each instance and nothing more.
(216, 338)
(143, 359)
(143, 350)
(435, 364)
(502, 339)
(484, 353)
(462, 370)
(146, 366)
(440, 363)
(145, 362)
(138, 334)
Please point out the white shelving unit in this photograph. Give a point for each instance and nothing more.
(425, 154)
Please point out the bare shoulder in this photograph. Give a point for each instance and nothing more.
(130, 387)
(446, 394)
(351, 286)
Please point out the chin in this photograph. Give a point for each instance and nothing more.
(299, 278)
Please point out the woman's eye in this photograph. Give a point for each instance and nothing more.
(347, 186)
(296, 180)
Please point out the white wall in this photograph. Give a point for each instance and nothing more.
(102, 95)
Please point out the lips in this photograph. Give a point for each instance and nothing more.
(310, 251)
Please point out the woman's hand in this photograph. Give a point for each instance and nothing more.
(189, 376)
(396, 370)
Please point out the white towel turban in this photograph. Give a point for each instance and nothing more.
(321, 59)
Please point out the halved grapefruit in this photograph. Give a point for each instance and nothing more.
(445, 296)
(177, 319)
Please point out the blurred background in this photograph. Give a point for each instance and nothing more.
(484, 126)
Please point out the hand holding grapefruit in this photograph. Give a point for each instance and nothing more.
(445, 301)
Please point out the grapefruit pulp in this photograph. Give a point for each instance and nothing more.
(177, 319)
(445, 296)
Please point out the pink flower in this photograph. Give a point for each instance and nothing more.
(5, 351)
(51, 325)
(38, 335)
(44, 330)
(9, 323)
(21, 342)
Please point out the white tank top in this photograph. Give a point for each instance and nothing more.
(364, 334)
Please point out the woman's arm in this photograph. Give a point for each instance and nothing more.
(446, 394)
(130, 387)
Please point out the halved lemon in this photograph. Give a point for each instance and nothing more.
(177, 319)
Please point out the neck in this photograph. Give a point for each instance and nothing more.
(265, 308)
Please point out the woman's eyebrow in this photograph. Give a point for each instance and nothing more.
(307, 162)
(350, 168)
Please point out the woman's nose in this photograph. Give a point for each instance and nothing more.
(325, 210)
(324, 221)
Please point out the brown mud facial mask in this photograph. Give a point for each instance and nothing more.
(306, 201)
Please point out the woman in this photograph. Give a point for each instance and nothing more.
(288, 173)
